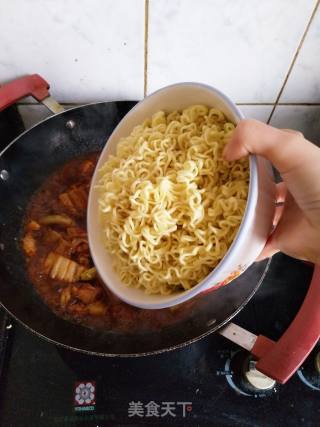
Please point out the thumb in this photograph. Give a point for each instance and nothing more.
(284, 149)
(296, 159)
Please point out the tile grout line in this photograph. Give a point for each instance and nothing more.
(146, 40)
(295, 56)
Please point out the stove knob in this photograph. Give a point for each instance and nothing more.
(309, 372)
(256, 379)
(245, 378)
(317, 362)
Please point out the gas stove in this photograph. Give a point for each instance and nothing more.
(209, 383)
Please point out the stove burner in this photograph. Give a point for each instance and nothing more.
(309, 373)
(212, 374)
(242, 376)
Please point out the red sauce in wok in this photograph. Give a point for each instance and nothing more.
(59, 263)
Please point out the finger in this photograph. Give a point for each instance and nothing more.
(275, 241)
(285, 150)
(296, 159)
(294, 132)
(277, 215)
(286, 200)
(271, 246)
(281, 192)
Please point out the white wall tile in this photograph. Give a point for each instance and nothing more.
(304, 81)
(306, 119)
(242, 47)
(258, 112)
(87, 50)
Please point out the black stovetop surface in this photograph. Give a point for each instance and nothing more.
(38, 379)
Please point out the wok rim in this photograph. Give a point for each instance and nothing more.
(148, 353)
(180, 345)
(54, 115)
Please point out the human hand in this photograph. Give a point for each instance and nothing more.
(297, 222)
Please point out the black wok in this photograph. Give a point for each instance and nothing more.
(24, 165)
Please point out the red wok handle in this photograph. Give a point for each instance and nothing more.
(280, 360)
(33, 85)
